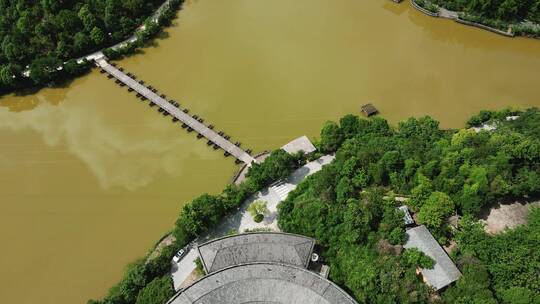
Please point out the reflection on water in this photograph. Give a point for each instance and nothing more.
(90, 174)
(115, 159)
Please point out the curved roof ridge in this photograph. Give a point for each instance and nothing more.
(331, 292)
(244, 248)
(254, 233)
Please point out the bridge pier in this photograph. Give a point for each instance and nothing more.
(170, 107)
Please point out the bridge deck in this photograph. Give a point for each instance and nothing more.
(202, 129)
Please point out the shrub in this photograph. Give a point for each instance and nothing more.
(436, 209)
(199, 269)
(258, 218)
(397, 236)
(415, 257)
(278, 165)
(258, 207)
(158, 291)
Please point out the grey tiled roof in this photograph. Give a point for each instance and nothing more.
(263, 283)
(256, 247)
(444, 272)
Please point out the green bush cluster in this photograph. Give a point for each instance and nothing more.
(493, 23)
(499, 10)
(142, 281)
(428, 5)
(277, 166)
(159, 290)
(258, 218)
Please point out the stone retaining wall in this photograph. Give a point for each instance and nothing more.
(240, 173)
(484, 27)
(423, 10)
(462, 21)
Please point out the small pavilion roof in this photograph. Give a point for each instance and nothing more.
(369, 109)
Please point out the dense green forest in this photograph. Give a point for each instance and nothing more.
(41, 35)
(498, 269)
(349, 208)
(505, 10)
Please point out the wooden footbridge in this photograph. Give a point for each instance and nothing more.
(166, 107)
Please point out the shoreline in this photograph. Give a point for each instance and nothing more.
(423, 10)
(453, 15)
(240, 174)
(126, 47)
(154, 17)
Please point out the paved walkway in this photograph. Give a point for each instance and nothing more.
(241, 220)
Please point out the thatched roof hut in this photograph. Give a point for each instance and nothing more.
(369, 110)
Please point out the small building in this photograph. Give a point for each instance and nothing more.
(407, 218)
(444, 271)
(283, 248)
(301, 144)
(369, 110)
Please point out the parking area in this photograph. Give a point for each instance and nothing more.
(181, 270)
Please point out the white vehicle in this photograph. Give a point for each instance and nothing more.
(179, 255)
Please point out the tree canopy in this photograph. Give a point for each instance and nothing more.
(41, 35)
(158, 291)
(348, 206)
(507, 10)
(511, 259)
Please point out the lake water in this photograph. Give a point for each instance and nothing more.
(91, 177)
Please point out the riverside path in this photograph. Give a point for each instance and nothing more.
(191, 123)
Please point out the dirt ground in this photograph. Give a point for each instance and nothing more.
(192, 278)
(165, 242)
(504, 216)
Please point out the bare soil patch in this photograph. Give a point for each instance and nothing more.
(507, 216)
(193, 277)
(166, 241)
